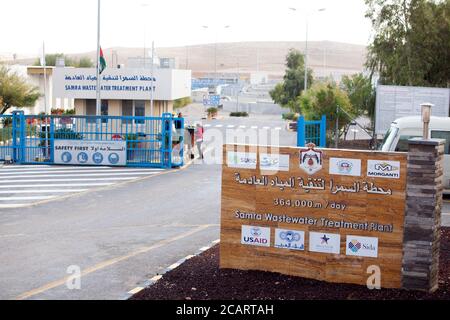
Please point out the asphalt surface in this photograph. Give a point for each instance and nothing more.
(118, 236)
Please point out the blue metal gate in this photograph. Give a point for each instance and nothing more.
(150, 141)
(311, 131)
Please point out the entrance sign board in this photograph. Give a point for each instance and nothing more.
(327, 215)
(80, 152)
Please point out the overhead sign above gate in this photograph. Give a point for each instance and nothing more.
(123, 83)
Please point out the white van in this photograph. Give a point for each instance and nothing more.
(396, 139)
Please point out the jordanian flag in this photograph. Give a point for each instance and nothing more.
(102, 62)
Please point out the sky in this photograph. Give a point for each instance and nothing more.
(70, 26)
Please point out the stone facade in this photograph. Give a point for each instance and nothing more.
(423, 214)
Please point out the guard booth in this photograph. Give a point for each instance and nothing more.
(92, 140)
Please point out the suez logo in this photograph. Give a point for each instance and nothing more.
(383, 169)
(362, 246)
(268, 162)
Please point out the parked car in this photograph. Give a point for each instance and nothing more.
(403, 129)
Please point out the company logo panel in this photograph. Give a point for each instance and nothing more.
(255, 236)
(325, 242)
(290, 239)
(274, 162)
(361, 246)
(345, 167)
(383, 169)
(241, 160)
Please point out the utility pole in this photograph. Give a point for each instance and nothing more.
(151, 83)
(336, 141)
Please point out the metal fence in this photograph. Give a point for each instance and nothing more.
(311, 131)
(150, 141)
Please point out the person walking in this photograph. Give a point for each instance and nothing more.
(199, 139)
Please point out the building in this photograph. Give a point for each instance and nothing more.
(42, 78)
(124, 91)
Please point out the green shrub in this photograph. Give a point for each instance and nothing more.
(238, 114)
(63, 133)
(212, 111)
(290, 116)
(182, 102)
(6, 122)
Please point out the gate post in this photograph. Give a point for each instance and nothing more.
(323, 131)
(167, 140)
(421, 238)
(18, 126)
(301, 132)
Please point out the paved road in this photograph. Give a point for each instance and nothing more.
(22, 186)
(118, 236)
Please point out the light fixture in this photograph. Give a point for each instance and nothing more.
(426, 115)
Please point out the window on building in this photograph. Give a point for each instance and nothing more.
(104, 110)
(139, 109)
(127, 110)
(443, 135)
(90, 110)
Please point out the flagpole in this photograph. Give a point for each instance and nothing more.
(151, 83)
(98, 104)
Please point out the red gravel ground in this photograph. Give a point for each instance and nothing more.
(201, 279)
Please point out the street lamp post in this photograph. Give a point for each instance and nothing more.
(215, 48)
(306, 44)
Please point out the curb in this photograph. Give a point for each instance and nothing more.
(149, 282)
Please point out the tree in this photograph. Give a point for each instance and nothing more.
(287, 92)
(361, 93)
(15, 91)
(323, 99)
(411, 42)
(50, 60)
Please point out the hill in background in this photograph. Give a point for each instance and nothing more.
(325, 57)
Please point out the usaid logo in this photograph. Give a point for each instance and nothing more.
(241, 160)
(290, 239)
(345, 167)
(255, 236)
(362, 246)
(383, 169)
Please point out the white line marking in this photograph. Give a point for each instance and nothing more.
(79, 171)
(54, 168)
(242, 127)
(278, 128)
(254, 127)
(173, 266)
(230, 126)
(12, 206)
(156, 278)
(206, 126)
(26, 198)
(216, 241)
(136, 290)
(56, 185)
(81, 179)
(42, 191)
(204, 248)
(189, 257)
(266, 128)
(219, 126)
(111, 174)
